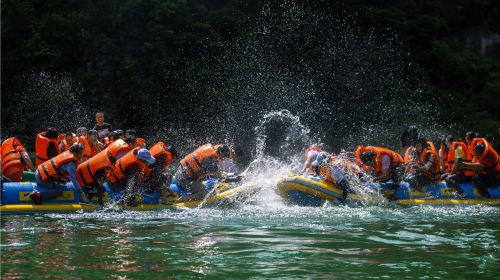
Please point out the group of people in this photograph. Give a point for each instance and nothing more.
(92, 157)
(473, 160)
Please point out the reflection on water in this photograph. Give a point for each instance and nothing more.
(255, 241)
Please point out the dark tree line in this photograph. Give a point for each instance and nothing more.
(161, 64)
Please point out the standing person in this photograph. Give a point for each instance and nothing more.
(198, 165)
(15, 159)
(52, 174)
(46, 146)
(103, 128)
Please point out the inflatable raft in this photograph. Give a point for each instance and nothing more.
(314, 191)
(15, 197)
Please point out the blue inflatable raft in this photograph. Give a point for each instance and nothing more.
(15, 197)
(314, 191)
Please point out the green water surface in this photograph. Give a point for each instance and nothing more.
(256, 241)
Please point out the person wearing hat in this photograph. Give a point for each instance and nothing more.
(52, 174)
(198, 165)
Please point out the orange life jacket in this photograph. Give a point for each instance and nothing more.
(450, 160)
(489, 158)
(130, 160)
(88, 149)
(159, 149)
(443, 155)
(396, 158)
(48, 170)
(106, 141)
(86, 171)
(426, 152)
(42, 146)
(140, 142)
(193, 162)
(11, 154)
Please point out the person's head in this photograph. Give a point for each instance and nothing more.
(172, 151)
(479, 150)
(145, 156)
(77, 150)
(368, 158)
(119, 134)
(111, 136)
(82, 131)
(93, 135)
(70, 138)
(129, 140)
(469, 136)
(51, 133)
(130, 132)
(99, 118)
(223, 151)
(448, 140)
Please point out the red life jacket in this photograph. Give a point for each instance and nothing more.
(88, 149)
(12, 161)
(489, 158)
(396, 158)
(193, 162)
(42, 146)
(130, 160)
(450, 160)
(426, 152)
(86, 171)
(49, 169)
(140, 142)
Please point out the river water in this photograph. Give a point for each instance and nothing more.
(256, 240)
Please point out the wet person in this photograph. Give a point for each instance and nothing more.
(139, 142)
(422, 166)
(486, 164)
(457, 174)
(68, 141)
(381, 163)
(46, 146)
(52, 174)
(15, 159)
(443, 151)
(310, 155)
(157, 176)
(82, 132)
(92, 173)
(341, 172)
(196, 166)
(469, 136)
(103, 128)
(130, 171)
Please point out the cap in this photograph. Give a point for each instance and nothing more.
(146, 156)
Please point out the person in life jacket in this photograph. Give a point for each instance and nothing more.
(310, 155)
(68, 141)
(341, 171)
(486, 165)
(139, 142)
(46, 146)
(198, 165)
(52, 175)
(443, 152)
(422, 166)
(381, 163)
(455, 174)
(91, 145)
(82, 132)
(157, 176)
(130, 172)
(469, 136)
(15, 159)
(93, 171)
